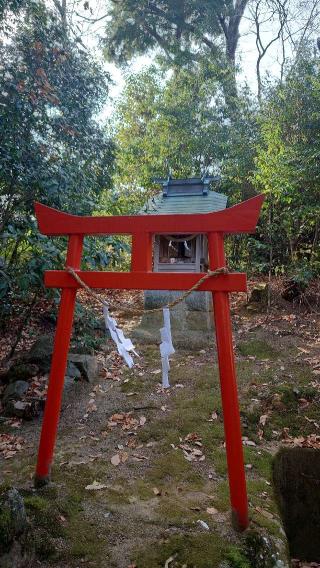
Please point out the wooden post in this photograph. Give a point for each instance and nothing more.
(58, 368)
(141, 254)
(229, 394)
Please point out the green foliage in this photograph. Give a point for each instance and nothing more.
(201, 550)
(180, 121)
(183, 34)
(160, 124)
(89, 334)
(9, 7)
(287, 169)
(237, 559)
(175, 115)
(257, 348)
(52, 149)
(180, 29)
(6, 529)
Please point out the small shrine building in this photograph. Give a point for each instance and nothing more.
(191, 320)
(183, 253)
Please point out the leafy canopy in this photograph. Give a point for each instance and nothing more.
(52, 149)
(178, 28)
(287, 165)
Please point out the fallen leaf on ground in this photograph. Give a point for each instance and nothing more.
(263, 419)
(212, 511)
(74, 463)
(264, 513)
(192, 436)
(125, 420)
(95, 486)
(116, 460)
(121, 457)
(139, 457)
(10, 445)
(312, 441)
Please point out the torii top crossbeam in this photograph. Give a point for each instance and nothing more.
(240, 218)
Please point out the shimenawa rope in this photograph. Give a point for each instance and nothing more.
(210, 273)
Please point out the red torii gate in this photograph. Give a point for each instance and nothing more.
(240, 218)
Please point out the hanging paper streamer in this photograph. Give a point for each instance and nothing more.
(124, 345)
(166, 347)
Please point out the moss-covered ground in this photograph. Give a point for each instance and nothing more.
(167, 503)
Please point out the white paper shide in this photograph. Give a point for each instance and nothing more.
(124, 345)
(166, 347)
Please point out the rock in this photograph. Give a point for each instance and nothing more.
(13, 518)
(72, 374)
(296, 474)
(191, 320)
(259, 294)
(24, 409)
(68, 383)
(264, 551)
(15, 391)
(14, 502)
(16, 557)
(86, 365)
(20, 371)
(72, 371)
(80, 367)
(41, 353)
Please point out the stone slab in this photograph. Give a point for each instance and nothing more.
(191, 320)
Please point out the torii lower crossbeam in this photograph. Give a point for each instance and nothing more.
(240, 218)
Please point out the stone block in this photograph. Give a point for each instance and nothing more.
(191, 320)
(15, 391)
(86, 365)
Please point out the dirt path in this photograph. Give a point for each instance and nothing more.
(155, 460)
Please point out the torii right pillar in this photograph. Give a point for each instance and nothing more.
(229, 391)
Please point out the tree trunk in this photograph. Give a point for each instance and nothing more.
(230, 27)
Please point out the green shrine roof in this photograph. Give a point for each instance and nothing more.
(188, 196)
(179, 204)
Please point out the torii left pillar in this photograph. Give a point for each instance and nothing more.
(58, 367)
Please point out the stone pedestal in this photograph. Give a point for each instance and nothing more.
(191, 320)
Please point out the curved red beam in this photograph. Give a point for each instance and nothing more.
(241, 218)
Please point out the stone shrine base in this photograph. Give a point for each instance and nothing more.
(191, 320)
